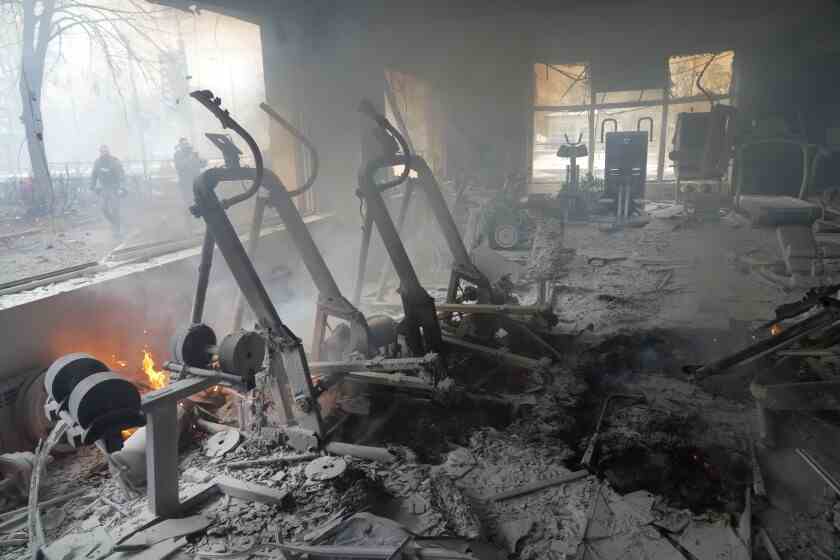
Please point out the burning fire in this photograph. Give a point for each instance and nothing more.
(157, 379)
(775, 329)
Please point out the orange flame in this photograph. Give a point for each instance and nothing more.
(775, 329)
(157, 379)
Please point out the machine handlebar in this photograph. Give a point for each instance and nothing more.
(366, 108)
(579, 140)
(214, 105)
(298, 135)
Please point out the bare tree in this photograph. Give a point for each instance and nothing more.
(111, 26)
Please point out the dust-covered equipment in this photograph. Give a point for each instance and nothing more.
(94, 402)
(572, 151)
(625, 170)
(286, 378)
(703, 145)
(420, 326)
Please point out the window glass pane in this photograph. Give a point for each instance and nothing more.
(550, 131)
(560, 85)
(685, 70)
(639, 118)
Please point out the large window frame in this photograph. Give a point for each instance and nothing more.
(592, 107)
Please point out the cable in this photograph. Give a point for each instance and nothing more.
(700, 77)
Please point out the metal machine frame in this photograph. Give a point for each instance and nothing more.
(331, 302)
(462, 267)
(420, 327)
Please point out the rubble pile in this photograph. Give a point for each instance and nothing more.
(497, 471)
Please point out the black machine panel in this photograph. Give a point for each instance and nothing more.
(626, 161)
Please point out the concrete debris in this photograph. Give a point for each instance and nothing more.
(270, 461)
(455, 507)
(16, 470)
(458, 463)
(712, 540)
(161, 550)
(165, 530)
(511, 532)
(249, 491)
(537, 486)
(93, 544)
(197, 476)
(495, 467)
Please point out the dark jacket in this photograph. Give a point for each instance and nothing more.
(188, 164)
(108, 171)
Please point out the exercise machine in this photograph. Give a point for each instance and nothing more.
(420, 325)
(364, 336)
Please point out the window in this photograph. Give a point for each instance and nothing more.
(563, 106)
(560, 85)
(714, 71)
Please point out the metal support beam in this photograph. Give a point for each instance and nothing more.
(161, 409)
(500, 355)
(288, 362)
(385, 275)
(663, 135)
(253, 243)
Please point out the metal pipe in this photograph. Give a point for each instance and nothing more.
(175, 367)
(501, 355)
(491, 309)
(820, 470)
(203, 277)
(821, 320)
(363, 256)
(253, 243)
(385, 275)
(361, 451)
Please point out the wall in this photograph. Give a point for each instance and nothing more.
(478, 60)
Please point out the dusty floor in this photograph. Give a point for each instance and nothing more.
(34, 246)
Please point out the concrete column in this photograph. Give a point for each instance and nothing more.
(320, 73)
(282, 67)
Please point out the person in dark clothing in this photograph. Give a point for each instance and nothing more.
(188, 165)
(109, 174)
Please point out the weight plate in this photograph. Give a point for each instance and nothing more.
(190, 345)
(100, 394)
(325, 468)
(242, 353)
(506, 236)
(67, 371)
(222, 442)
(383, 330)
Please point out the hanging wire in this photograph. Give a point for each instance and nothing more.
(700, 77)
